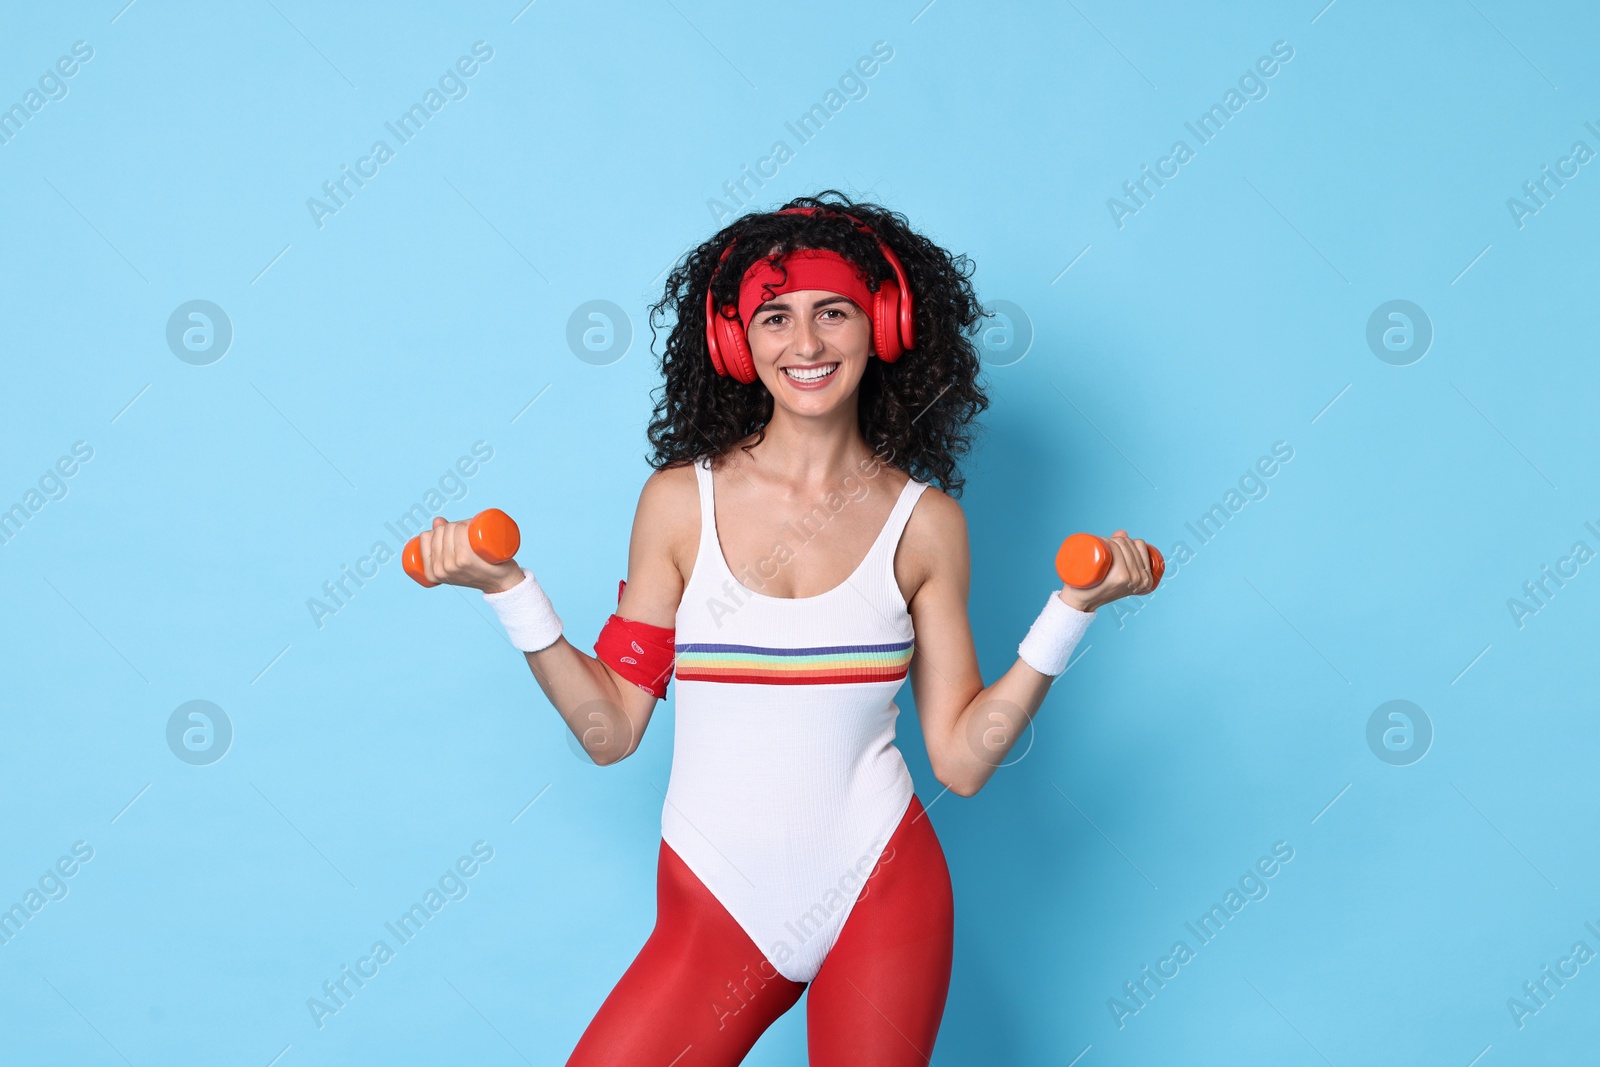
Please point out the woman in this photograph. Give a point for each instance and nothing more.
(791, 565)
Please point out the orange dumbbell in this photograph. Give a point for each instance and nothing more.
(1084, 560)
(493, 535)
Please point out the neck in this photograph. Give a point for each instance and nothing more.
(811, 450)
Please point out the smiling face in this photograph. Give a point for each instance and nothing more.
(810, 348)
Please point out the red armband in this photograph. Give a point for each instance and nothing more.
(638, 651)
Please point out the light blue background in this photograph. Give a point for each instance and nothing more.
(1228, 314)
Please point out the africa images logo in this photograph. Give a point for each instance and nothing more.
(452, 85)
(1252, 85)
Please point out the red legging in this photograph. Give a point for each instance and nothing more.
(700, 992)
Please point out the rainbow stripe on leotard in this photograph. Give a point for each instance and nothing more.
(827, 665)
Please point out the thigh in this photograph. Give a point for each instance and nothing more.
(698, 994)
(880, 993)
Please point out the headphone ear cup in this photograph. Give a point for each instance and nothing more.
(735, 349)
(886, 328)
(908, 321)
(905, 317)
(712, 346)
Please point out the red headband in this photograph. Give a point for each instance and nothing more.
(805, 268)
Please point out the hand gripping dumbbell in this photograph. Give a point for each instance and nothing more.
(493, 535)
(1084, 560)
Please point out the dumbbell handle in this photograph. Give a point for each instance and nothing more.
(1084, 560)
(493, 535)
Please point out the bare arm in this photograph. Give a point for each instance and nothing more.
(969, 727)
(606, 712)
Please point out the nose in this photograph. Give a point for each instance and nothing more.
(806, 341)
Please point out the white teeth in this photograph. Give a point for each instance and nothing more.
(809, 375)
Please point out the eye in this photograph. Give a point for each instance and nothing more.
(772, 319)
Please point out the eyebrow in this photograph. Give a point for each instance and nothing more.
(778, 305)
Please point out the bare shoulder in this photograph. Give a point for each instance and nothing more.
(669, 496)
(934, 544)
(661, 551)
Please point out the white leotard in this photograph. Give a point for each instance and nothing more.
(786, 782)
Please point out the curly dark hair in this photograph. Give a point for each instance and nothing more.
(915, 413)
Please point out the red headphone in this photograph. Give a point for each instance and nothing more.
(892, 314)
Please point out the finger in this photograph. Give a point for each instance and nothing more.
(1138, 560)
(425, 542)
(450, 540)
(1122, 565)
(461, 554)
(1141, 554)
(1135, 572)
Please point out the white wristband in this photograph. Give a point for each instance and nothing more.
(526, 613)
(1053, 636)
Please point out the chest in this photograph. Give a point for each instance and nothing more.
(798, 547)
